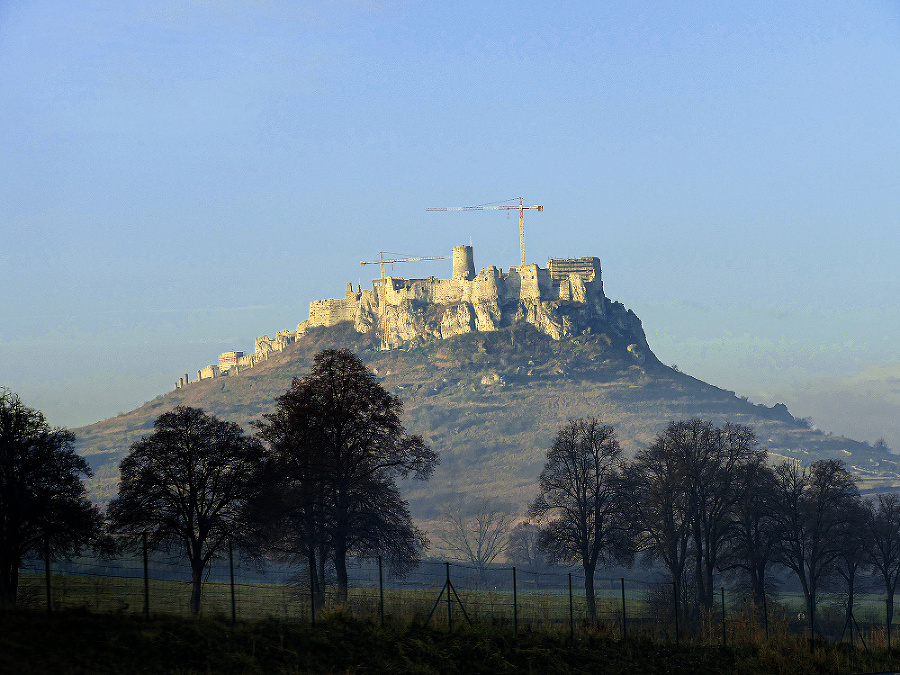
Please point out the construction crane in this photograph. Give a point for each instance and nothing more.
(521, 208)
(382, 295)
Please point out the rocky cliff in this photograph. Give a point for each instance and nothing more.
(563, 300)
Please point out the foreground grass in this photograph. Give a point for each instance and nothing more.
(80, 642)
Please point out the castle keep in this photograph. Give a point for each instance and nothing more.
(563, 300)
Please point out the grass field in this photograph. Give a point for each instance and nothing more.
(647, 608)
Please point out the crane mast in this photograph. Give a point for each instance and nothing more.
(521, 208)
(382, 295)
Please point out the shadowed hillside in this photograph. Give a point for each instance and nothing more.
(490, 404)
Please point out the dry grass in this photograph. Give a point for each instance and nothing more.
(76, 641)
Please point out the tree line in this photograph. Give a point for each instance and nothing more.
(315, 484)
(702, 501)
(318, 482)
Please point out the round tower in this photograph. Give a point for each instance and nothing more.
(463, 263)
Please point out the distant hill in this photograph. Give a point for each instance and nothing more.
(490, 403)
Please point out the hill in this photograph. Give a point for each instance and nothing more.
(490, 404)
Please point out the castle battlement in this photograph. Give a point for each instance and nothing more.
(566, 298)
(562, 300)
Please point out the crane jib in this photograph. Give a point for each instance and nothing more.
(521, 208)
(483, 208)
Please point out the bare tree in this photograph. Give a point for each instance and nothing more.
(476, 532)
(755, 536)
(716, 461)
(290, 515)
(688, 485)
(884, 544)
(523, 547)
(658, 509)
(813, 508)
(579, 508)
(338, 441)
(189, 483)
(851, 558)
(42, 496)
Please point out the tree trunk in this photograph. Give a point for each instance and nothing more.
(589, 597)
(317, 557)
(196, 585)
(758, 588)
(699, 572)
(708, 589)
(340, 572)
(890, 606)
(320, 579)
(811, 606)
(850, 597)
(9, 584)
(315, 579)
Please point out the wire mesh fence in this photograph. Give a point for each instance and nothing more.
(437, 593)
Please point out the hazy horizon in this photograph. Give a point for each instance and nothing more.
(182, 177)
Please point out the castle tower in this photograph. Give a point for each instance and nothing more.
(463, 263)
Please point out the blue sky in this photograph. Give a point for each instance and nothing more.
(180, 177)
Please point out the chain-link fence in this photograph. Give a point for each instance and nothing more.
(437, 593)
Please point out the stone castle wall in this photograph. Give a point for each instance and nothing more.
(563, 300)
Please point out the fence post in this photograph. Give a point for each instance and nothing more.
(859, 632)
(515, 604)
(47, 571)
(624, 622)
(312, 593)
(449, 603)
(381, 591)
(231, 579)
(675, 597)
(146, 578)
(571, 610)
(724, 640)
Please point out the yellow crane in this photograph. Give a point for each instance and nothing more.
(521, 208)
(381, 291)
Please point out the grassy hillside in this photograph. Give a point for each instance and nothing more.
(490, 404)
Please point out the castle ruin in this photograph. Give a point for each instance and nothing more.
(563, 300)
